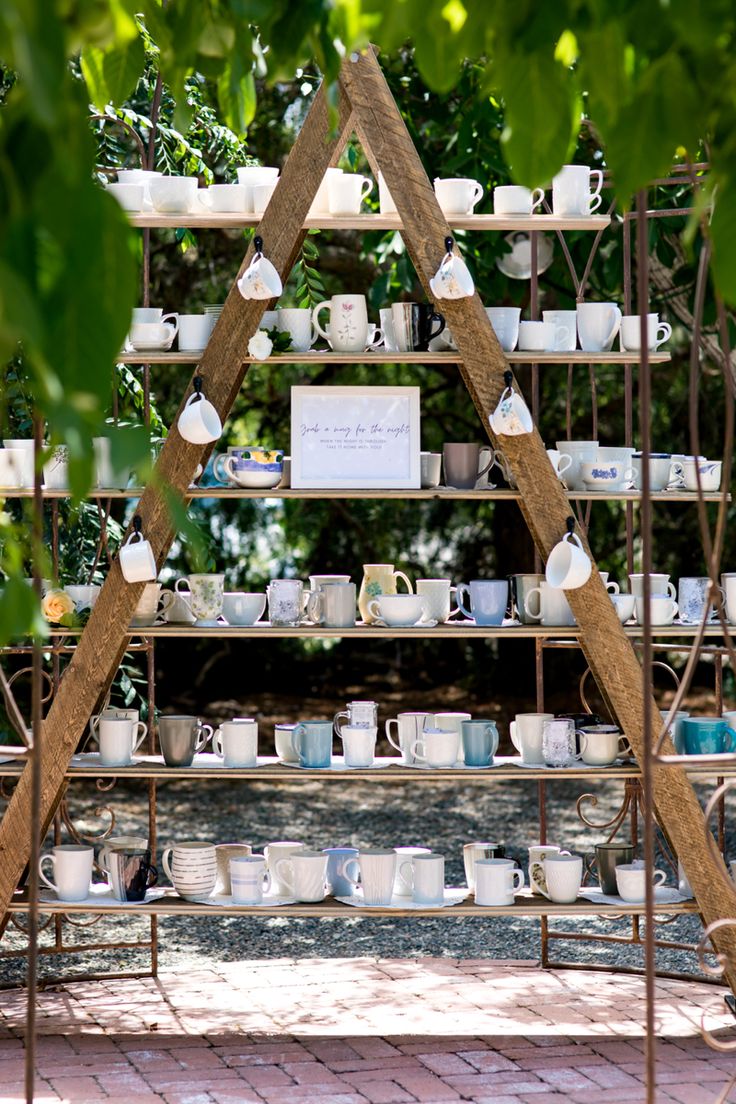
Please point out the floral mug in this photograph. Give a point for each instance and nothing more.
(205, 596)
(348, 330)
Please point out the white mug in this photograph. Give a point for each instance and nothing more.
(436, 594)
(137, 561)
(516, 200)
(505, 323)
(174, 195)
(457, 195)
(297, 322)
(409, 728)
(375, 872)
(437, 747)
(321, 202)
(262, 196)
(538, 852)
(568, 564)
(224, 197)
(568, 320)
(658, 584)
(154, 602)
(304, 874)
(662, 609)
(572, 193)
(563, 877)
(560, 461)
(543, 337)
(251, 175)
(284, 849)
(260, 279)
(631, 879)
(236, 742)
(426, 876)
(105, 474)
(657, 332)
(512, 416)
(497, 881)
(359, 745)
(348, 322)
(72, 865)
(598, 324)
(346, 192)
(624, 604)
(192, 869)
(403, 886)
(526, 736)
(199, 423)
(118, 738)
(195, 331)
(580, 452)
(388, 207)
(601, 745)
(553, 607)
(249, 879)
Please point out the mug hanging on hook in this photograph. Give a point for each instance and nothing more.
(260, 279)
(137, 561)
(568, 565)
(452, 279)
(199, 423)
(511, 417)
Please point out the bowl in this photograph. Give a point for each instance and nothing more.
(257, 468)
(239, 608)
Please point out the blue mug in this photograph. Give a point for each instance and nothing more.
(707, 736)
(337, 860)
(312, 742)
(480, 743)
(488, 599)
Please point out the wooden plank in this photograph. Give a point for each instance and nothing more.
(457, 630)
(525, 904)
(612, 659)
(223, 368)
(366, 222)
(322, 356)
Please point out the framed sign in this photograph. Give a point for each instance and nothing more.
(362, 437)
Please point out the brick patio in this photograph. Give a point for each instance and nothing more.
(365, 1031)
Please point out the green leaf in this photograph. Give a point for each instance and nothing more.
(542, 115)
(662, 115)
(723, 233)
(603, 72)
(236, 92)
(112, 74)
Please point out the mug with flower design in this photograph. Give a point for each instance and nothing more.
(205, 596)
(348, 330)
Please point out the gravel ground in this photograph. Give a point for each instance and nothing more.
(359, 814)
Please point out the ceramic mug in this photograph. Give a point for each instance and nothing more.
(153, 603)
(631, 881)
(337, 858)
(662, 609)
(487, 600)
(568, 564)
(436, 594)
(658, 584)
(538, 852)
(579, 452)
(657, 332)
(260, 280)
(514, 199)
(462, 465)
(402, 884)
(206, 596)
(563, 320)
(249, 879)
(398, 610)
(131, 873)
(283, 849)
(199, 423)
(72, 865)
(457, 195)
(497, 881)
(173, 194)
(526, 736)
(180, 738)
(312, 742)
(137, 561)
(236, 742)
(607, 857)
(426, 876)
(552, 606)
(480, 742)
(348, 322)
(707, 736)
(224, 853)
(195, 331)
(437, 747)
(191, 867)
(239, 608)
(544, 337)
(228, 198)
(474, 852)
(118, 739)
(573, 194)
(409, 728)
(601, 745)
(563, 877)
(297, 322)
(375, 871)
(598, 324)
(505, 323)
(346, 192)
(304, 873)
(521, 585)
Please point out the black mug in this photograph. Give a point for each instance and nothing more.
(131, 873)
(413, 326)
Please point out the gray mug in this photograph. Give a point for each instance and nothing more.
(333, 605)
(180, 738)
(461, 462)
(520, 587)
(607, 857)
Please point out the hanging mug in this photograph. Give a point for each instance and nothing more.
(511, 417)
(199, 423)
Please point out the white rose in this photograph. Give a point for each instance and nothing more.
(260, 345)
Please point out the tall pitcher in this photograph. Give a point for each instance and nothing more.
(378, 579)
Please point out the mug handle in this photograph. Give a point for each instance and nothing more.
(143, 729)
(564, 456)
(407, 879)
(582, 737)
(537, 201)
(343, 713)
(377, 339)
(487, 468)
(345, 871)
(314, 606)
(435, 316)
(165, 602)
(217, 466)
(47, 881)
(493, 731)
(166, 863)
(365, 192)
(324, 305)
(534, 616)
(624, 747)
(152, 876)
(284, 870)
(612, 587)
(731, 737)
(373, 609)
(616, 326)
(415, 754)
(518, 876)
(217, 744)
(296, 743)
(463, 589)
(562, 335)
(514, 737)
(537, 877)
(175, 326)
(400, 575)
(387, 729)
(477, 195)
(666, 334)
(204, 735)
(595, 196)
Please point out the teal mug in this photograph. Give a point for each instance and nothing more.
(707, 736)
(480, 743)
(312, 742)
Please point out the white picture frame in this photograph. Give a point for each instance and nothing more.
(355, 437)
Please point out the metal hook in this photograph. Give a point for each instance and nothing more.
(508, 377)
(570, 523)
(197, 384)
(449, 243)
(258, 243)
(137, 523)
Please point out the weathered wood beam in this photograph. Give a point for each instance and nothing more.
(545, 507)
(102, 644)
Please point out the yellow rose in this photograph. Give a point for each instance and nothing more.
(55, 604)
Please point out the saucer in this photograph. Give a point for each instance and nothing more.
(453, 896)
(663, 895)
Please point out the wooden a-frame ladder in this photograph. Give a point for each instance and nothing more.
(365, 106)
